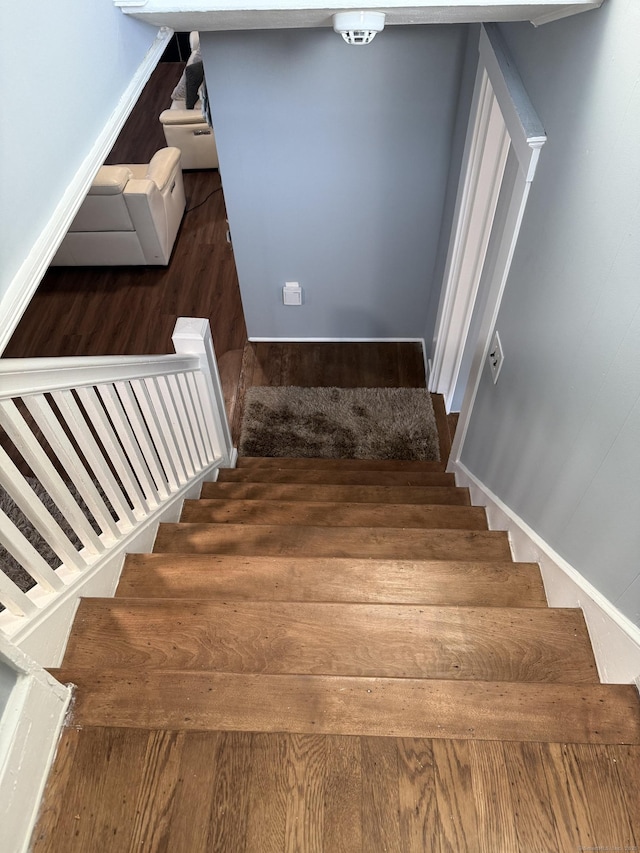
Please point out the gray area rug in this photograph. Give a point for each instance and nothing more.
(339, 423)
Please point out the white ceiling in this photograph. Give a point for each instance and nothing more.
(208, 15)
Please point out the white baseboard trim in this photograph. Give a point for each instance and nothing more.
(337, 341)
(29, 276)
(44, 637)
(30, 729)
(615, 639)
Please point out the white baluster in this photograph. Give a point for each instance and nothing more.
(94, 409)
(192, 420)
(194, 393)
(167, 390)
(152, 419)
(141, 433)
(158, 403)
(122, 427)
(91, 451)
(32, 507)
(24, 440)
(17, 544)
(81, 478)
(14, 599)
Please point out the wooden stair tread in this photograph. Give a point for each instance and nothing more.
(477, 710)
(399, 641)
(254, 462)
(449, 495)
(344, 478)
(328, 514)
(301, 540)
(331, 579)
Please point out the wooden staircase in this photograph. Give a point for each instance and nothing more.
(346, 598)
(370, 594)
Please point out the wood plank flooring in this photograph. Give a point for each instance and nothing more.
(337, 686)
(399, 641)
(212, 576)
(244, 792)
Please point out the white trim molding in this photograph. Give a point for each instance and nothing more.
(615, 639)
(30, 728)
(273, 340)
(26, 280)
(502, 120)
(484, 161)
(203, 15)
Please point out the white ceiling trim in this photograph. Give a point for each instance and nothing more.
(215, 15)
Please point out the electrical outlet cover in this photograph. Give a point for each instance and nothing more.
(292, 293)
(496, 356)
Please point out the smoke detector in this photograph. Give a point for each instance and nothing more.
(358, 27)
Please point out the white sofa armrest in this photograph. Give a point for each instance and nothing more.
(110, 180)
(182, 116)
(163, 166)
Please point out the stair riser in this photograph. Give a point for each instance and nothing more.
(447, 495)
(344, 478)
(495, 644)
(253, 463)
(332, 515)
(381, 543)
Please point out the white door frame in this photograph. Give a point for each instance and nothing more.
(502, 119)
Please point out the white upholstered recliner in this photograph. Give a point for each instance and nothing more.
(130, 216)
(187, 129)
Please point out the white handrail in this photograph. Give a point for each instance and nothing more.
(112, 443)
(24, 376)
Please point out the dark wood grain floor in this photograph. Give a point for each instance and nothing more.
(132, 310)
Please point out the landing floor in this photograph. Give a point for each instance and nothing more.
(118, 790)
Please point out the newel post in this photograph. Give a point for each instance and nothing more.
(192, 336)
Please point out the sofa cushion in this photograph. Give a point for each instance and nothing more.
(195, 77)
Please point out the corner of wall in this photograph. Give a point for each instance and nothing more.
(615, 639)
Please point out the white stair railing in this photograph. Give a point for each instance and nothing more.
(108, 443)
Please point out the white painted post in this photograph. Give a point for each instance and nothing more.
(192, 336)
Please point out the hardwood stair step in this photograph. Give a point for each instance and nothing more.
(203, 576)
(338, 478)
(254, 462)
(470, 710)
(449, 495)
(329, 514)
(393, 641)
(300, 541)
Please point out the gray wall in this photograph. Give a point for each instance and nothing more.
(7, 681)
(64, 66)
(558, 438)
(334, 161)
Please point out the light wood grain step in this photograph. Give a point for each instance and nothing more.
(551, 713)
(338, 478)
(448, 495)
(395, 641)
(331, 579)
(329, 514)
(254, 462)
(302, 541)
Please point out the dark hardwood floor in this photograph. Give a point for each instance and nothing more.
(132, 310)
